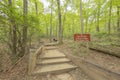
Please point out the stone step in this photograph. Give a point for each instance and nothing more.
(53, 61)
(51, 44)
(51, 48)
(54, 68)
(52, 54)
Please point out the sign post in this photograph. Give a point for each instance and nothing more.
(83, 38)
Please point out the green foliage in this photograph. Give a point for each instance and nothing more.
(38, 20)
(39, 24)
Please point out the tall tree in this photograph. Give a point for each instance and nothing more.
(118, 20)
(60, 26)
(73, 22)
(98, 16)
(98, 22)
(51, 21)
(36, 7)
(81, 18)
(25, 27)
(109, 23)
(13, 28)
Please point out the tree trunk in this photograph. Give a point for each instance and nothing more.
(36, 7)
(51, 23)
(25, 27)
(73, 26)
(86, 29)
(14, 39)
(13, 30)
(60, 26)
(105, 24)
(56, 30)
(46, 27)
(64, 17)
(109, 23)
(10, 2)
(81, 18)
(98, 15)
(118, 20)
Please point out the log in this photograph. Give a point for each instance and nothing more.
(105, 49)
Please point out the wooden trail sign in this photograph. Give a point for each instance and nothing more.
(81, 37)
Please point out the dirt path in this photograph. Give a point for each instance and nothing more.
(72, 75)
(54, 65)
(20, 73)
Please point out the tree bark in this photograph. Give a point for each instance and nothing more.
(98, 15)
(10, 2)
(51, 22)
(36, 7)
(73, 30)
(109, 23)
(81, 18)
(86, 30)
(25, 27)
(56, 30)
(13, 29)
(64, 17)
(118, 20)
(60, 26)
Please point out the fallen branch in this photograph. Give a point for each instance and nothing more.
(16, 63)
(104, 49)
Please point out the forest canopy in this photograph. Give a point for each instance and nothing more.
(22, 21)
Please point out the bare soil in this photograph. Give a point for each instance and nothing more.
(104, 60)
(72, 75)
(19, 72)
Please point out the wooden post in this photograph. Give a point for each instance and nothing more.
(87, 45)
(33, 59)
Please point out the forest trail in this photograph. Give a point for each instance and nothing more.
(52, 61)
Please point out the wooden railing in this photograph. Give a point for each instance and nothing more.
(33, 59)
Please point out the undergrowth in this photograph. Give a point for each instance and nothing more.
(78, 49)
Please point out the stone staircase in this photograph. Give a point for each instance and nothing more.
(52, 61)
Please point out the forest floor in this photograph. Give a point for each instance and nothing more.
(104, 60)
(101, 59)
(19, 71)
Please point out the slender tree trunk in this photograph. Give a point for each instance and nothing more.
(47, 32)
(60, 26)
(81, 18)
(10, 28)
(56, 30)
(46, 27)
(14, 39)
(63, 22)
(109, 23)
(118, 20)
(10, 2)
(98, 15)
(86, 25)
(36, 7)
(51, 22)
(73, 24)
(25, 27)
(13, 30)
(64, 17)
(105, 25)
